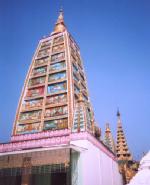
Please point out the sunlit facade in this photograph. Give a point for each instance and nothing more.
(55, 140)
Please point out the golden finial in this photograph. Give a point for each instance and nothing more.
(61, 16)
(60, 26)
(107, 127)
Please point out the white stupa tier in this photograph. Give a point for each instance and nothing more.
(143, 175)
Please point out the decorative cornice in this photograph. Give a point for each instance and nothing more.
(30, 144)
(50, 139)
(40, 135)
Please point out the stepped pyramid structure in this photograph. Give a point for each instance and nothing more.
(122, 150)
(55, 79)
(127, 166)
(55, 140)
(108, 139)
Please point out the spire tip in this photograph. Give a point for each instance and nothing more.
(61, 9)
(118, 112)
(60, 25)
(107, 127)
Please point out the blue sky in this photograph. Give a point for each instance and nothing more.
(113, 36)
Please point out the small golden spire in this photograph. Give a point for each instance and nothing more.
(60, 17)
(123, 153)
(108, 139)
(107, 127)
(60, 25)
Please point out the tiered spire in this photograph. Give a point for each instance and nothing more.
(60, 25)
(122, 150)
(82, 116)
(55, 94)
(108, 139)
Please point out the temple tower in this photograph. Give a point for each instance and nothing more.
(51, 90)
(55, 139)
(108, 139)
(127, 166)
(123, 153)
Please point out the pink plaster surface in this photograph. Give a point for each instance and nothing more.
(40, 135)
(48, 142)
(49, 139)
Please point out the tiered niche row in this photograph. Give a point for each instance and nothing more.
(44, 104)
(79, 79)
(83, 113)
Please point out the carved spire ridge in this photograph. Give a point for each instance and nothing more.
(83, 117)
(108, 139)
